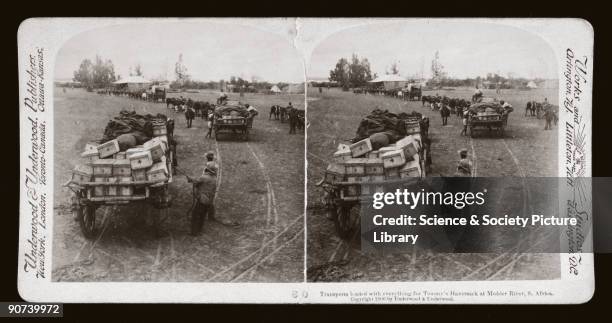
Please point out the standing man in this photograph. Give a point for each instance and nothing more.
(464, 165)
(465, 121)
(292, 118)
(210, 124)
(204, 189)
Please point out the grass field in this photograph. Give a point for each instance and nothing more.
(525, 151)
(257, 188)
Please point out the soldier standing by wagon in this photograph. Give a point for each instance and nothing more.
(205, 188)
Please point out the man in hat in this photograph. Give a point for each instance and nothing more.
(464, 165)
(465, 121)
(205, 188)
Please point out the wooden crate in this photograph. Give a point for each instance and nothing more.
(392, 173)
(82, 173)
(393, 159)
(334, 173)
(108, 148)
(355, 167)
(122, 168)
(374, 166)
(374, 154)
(159, 130)
(139, 174)
(100, 190)
(411, 169)
(121, 155)
(351, 191)
(141, 160)
(341, 156)
(156, 147)
(158, 172)
(112, 190)
(126, 190)
(361, 148)
(103, 167)
(90, 156)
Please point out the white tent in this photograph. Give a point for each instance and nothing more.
(532, 85)
(275, 89)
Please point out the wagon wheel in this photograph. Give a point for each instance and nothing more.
(347, 219)
(86, 215)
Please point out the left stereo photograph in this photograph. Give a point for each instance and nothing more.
(163, 151)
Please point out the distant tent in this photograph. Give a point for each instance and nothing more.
(275, 89)
(532, 85)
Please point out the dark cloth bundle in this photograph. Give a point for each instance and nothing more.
(231, 109)
(383, 121)
(141, 126)
(482, 107)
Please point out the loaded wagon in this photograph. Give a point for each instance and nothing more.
(111, 175)
(233, 119)
(487, 116)
(361, 169)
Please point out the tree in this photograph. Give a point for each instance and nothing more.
(137, 70)
(359, 71)
(354, 74)
(180, 70)
(84, 73)
(394, 69)
(340, 73)
(437, 69)
(98, 74)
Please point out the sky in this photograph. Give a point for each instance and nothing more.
(466, 49)
(211, 51)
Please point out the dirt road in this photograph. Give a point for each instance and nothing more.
(258, 181)
(525, 151)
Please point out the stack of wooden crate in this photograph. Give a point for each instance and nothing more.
(106, 163)
(362, 170)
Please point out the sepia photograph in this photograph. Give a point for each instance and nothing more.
(179, 155)
(437, 99)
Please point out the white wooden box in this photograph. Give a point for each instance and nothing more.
(139, 175)
(126, 190)
(361, 147)
(393, 159)
(112, 190)
(159, 130)
(355, 166)
(392, 173)
(156, 147)
(374, 166)
(342, 156)
(334, 173)
(100, 190)
(103, 167)
(411, 169)
(121, 155)
(141, 160)
(158, 172)
(122, 168)
(133, 151)
(90, 156)
(82, 173)
(373, 154)
(409, 146)
(108, 148)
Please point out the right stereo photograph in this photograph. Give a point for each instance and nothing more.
(430, 102)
